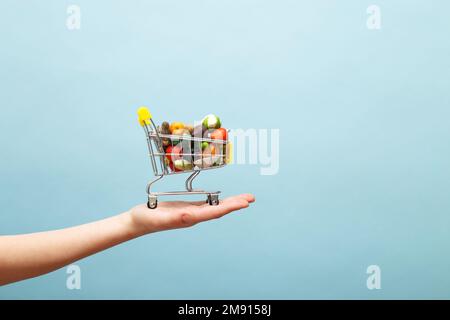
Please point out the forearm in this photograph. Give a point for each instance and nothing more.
(30, 255)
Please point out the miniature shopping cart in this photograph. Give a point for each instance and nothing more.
(189, 154)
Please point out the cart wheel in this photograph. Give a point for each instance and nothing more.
(213, 199)
(152, 202)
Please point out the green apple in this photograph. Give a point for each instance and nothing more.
(205, 145)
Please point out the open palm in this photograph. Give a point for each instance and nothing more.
(181, 214)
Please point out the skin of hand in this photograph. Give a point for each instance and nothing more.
(181, 214)
(30, 255)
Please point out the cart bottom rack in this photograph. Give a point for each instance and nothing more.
(212, 197)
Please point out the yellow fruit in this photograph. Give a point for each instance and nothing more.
(176, 126)
(181, 132)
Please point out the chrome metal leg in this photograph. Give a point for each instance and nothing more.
(190, 179)
(149, 185)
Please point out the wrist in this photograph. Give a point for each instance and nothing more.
(130, 228)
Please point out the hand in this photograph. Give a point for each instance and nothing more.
(182, 214)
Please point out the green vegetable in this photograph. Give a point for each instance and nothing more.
(211, 121)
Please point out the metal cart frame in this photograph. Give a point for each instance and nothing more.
(161, 167)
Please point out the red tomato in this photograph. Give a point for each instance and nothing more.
(219, 134)
(174, 153)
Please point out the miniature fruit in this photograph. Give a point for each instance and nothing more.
(219, 134)
(210, 150)
(182, 164)
(165, 129)
(199, 163)
(182, 152)
(175, 126)
(181, 132)
(211, 121)
(172, 167)
(170, 164)
(204, 145)
(207, 162)
(174, 153)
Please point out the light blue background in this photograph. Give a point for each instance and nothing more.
(364, 153)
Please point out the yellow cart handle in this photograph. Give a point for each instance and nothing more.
(144, 116)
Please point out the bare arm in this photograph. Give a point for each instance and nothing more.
(30, 255)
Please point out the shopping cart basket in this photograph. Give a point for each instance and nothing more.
(188, 153)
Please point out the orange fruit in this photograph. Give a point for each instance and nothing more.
(176, 126)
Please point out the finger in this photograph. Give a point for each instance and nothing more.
(248, 196)
(207, 212)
